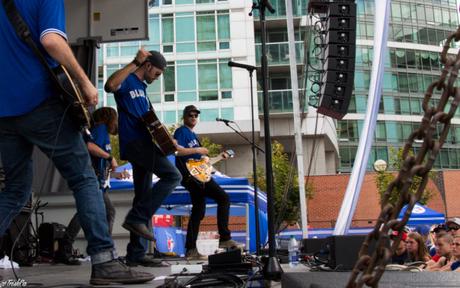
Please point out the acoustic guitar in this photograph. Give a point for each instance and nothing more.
(71, 95)
(201, 169)
(160, 135)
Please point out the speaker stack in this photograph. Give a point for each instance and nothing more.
(339, 57)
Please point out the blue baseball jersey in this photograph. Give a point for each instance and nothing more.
(186, 138)
(25, 82)
(101, 138)
(132, 97)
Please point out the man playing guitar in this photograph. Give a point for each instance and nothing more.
(190, 148)
(32, 114)
(137, 147)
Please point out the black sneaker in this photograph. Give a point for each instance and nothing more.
(115, 272)
(146, 262)
(67, 260)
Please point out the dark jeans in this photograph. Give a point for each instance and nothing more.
(41, 128)
(147, 159)
(74, 225)
(198, 194)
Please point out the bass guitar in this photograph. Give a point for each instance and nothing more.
(160, 135)
(201, 169)
(71, 95)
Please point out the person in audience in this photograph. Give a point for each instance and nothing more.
(436, 230)
(400, 256)
(453, 226)
(416, 248)
(443, 256)
(455, 262)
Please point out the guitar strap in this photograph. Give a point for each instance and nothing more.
(23, 32)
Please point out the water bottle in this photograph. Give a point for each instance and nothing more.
(293, 249)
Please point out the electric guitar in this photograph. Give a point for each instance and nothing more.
(160, 135)
(201, 169)
(71, 95)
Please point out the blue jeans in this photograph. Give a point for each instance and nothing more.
(65, 146)
(146, 159)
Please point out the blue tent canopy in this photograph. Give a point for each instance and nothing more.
(241, 195)
(422, 215)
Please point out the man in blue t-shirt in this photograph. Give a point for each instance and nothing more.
(136, 146)
(32, 114)
(190, 148)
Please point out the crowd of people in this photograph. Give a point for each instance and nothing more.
(435, 250)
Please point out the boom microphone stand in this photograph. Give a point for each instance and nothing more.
(254, 156)
(272, 269)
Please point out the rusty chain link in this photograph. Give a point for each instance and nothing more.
(370, 268)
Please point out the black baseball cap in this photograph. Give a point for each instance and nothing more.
(157, 59)
(190, 108)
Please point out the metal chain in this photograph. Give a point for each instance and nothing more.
(370, 268)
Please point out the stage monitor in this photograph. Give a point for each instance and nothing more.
(106, 20)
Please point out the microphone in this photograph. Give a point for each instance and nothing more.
(240, 65)
(224, 120)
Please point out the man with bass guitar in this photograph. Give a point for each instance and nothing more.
(136, 146)
(190, 148)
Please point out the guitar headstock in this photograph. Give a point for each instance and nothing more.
(229, 153)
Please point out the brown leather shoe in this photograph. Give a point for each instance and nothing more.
(140, 230)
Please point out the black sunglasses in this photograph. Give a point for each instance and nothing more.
(439, 228)
(193, 115)
(453, 228)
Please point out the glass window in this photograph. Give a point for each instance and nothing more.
(227, 113)
(223, 25)
(405, 11)
(169, 77)
(186, 80)
(185, 32)
(167, 32)
(380, 133)
(207, 80)
(209, 114)
(421, 13)
(169, 117)
(391, 131)
(154, 29)
(206, 31)
(429, 14)
(396, 11)
(225, 74)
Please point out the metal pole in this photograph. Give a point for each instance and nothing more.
(367, 134)
(254, 171)
(297, 120)
(273, 270)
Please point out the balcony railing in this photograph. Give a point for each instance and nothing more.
(299, 8)
(278, 53)
(280, 101)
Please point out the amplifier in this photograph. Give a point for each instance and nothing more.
(49, 234)
(343, 251)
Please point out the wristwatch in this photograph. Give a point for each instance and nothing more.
(136, 62)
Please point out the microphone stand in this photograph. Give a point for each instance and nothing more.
(272, 269)
(251, 69)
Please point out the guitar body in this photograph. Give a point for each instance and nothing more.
(71, 96)
(201, 169)
(160, 135)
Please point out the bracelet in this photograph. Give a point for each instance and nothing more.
(136, 62)
(110, 158)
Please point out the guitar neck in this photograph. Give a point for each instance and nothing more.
(216, 159)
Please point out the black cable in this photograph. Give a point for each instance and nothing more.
(206, 280)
